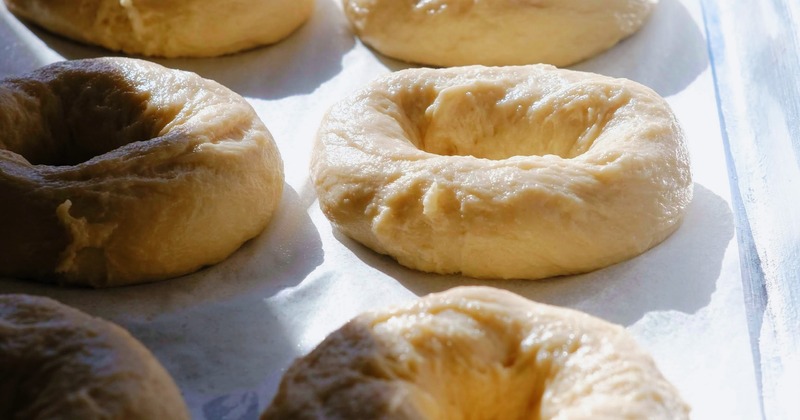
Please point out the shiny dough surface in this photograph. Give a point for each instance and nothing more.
(168, 28)
(495, 32)
(60, 363)
(517, 172)
(476, 353)
(118, 171)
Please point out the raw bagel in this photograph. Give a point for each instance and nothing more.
(58, 362)
(168, 28)
(476, 353)
(495, 32)
(518, 172)
(120, 171)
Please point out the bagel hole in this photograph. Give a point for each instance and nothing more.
(441, 353)
(492, 121)
(84, 115)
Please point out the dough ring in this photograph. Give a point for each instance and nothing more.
(476, 353)
(117, 171)
(519, 172)
(58, 362)
(495, 32)
(168, 28)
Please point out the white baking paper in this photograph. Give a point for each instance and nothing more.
(227, 333)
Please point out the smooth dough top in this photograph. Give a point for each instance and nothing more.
(59, 363)
(476, 353)
(168, 28)
(495, 32)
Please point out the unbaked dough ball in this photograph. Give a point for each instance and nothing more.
(168, 28)
(495, 32)
(117, 171)
(59, 363)
(517, 172)
(476, 353)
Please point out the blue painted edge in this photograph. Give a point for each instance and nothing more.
(753, 278)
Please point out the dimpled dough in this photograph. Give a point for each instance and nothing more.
(518, 172)
(495, 32)
(476, 353)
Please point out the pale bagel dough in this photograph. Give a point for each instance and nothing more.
(120, 171)
(168, 28)
(518, 172)
(59, 363)
(495, 32)
(476, 353)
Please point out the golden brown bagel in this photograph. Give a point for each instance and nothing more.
(118, 171)
(168, 28)
(517, 172)
(495, 32)
(58, 362)
(476, 353)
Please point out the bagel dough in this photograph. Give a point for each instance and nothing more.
(168, 28)
(495, 32)
(58, 362)
(518, 172)
(476, 353)
(117, 171)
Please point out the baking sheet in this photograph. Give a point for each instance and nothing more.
(227, 333)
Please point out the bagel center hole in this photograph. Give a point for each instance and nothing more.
(470, 365)
(84, 116)
(494, 121)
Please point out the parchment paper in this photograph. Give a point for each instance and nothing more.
(227, 333)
